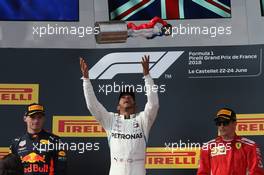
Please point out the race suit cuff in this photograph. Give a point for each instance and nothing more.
(86, 81)
(146, 77)
(82, 78)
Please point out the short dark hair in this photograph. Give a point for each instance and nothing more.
(127, 91)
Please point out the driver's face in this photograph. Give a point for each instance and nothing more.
(227, 129)
(126, 101)
(35, 122)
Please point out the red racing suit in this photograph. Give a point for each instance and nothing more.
(239, 156)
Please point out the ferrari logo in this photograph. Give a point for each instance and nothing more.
(238, 145)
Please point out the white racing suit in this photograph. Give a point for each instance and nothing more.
(127, 138)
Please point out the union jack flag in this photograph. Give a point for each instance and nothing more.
(134, 10)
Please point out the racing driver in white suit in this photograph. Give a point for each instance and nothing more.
(127, 131)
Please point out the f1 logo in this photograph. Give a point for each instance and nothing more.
(130, 62)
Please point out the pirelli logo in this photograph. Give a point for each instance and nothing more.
(76, 126)
(162, 158)
(4, 151)
(19, 94)
(250, 124)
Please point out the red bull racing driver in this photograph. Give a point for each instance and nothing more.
(39, 150)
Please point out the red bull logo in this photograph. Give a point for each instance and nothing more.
(33, 158)
(36, 168)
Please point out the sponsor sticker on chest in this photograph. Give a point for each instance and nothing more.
(218, 150)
